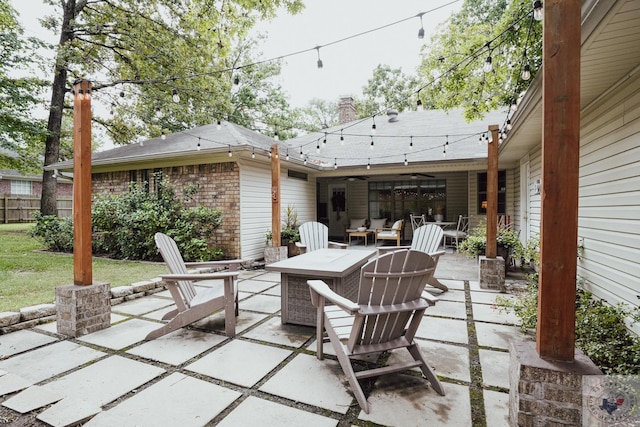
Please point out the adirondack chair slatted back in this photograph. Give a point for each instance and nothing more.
(427, 238)
(314, 235)
(396, 279)
(172, 257)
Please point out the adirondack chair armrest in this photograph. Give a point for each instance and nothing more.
(336, 245)
(198, 276)
(386, 249)
(436, 255)
(322, 289)
(232, 264)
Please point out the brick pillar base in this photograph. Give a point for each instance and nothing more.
(545, 392)
(81, 310)
(491, 273)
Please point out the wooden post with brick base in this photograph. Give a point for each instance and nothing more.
(85, 306)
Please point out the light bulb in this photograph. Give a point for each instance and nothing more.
(405, 160)
(320, 65)
(236, 80)
(419, 104)
(301, 153)
(275, 135)
(287, 156)
(219, 125)
(488, 66)
(509, 125)
(335, 163)
(229, 153)
(371, 146)
(175, 96)
(538, 13)
(253, 154)
(421, 30)
(526, 72)
(369, 164)
(163, 136)
(141, 143)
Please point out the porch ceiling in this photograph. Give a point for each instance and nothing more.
(609, 54)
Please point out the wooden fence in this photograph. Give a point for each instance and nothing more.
(21, 208)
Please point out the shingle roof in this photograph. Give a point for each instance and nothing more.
(392, 139)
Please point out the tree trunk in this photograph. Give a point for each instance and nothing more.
(48, 202)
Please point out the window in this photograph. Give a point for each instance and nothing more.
(502, 193)
(398, 199)
(21, 187)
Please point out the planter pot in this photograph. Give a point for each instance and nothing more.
(293, 249)
(274, 254)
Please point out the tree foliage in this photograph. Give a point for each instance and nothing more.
(21, 136)
(139, 54)
(452, 64)
(387, 88)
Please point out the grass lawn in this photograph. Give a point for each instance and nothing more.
(29, 276)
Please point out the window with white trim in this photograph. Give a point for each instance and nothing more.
(21, 187)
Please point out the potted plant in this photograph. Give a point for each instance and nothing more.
(289, 234)
(508, 242)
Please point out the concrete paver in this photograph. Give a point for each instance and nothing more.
(177, 347)
(198, 402)
(494, 364)
(240, 362)
(121, 335)
(273, 414)
(20, 341)
(32, 398)
(46, 362)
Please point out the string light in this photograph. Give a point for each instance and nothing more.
(198, 146)
(406, 163)
(369, 163)
(335, 163)
(373, 126)
(122, 94)
(141, 143)
(287, 157)
(163, 136)
(301, 153)
(488, 65)
(320, 64)
(219, 125)
(371, 146)
(444, 151)
(236, 80)
(175, 96)
(509, 125)
(341, 138)
(229, 151)
(411, 143)
(538, 13)
(419, 104)
(324, 141)
(421, 30)
(253, 153)
(318, 147)
(275, 135)
(526, 72)
(305, 161)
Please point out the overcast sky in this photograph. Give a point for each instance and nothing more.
(348, 64)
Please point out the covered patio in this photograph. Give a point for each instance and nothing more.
(267, 374)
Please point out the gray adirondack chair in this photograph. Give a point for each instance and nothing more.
(194, 303)
(385, 316)
(314, 236)
(426, 238)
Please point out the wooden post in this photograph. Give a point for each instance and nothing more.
(82, 267)
(560, 155)
(491, 250)
(275, 194)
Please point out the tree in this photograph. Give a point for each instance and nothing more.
(21, 135)
(151, 53)
(318, 114)
(387, 88)
(452, 64)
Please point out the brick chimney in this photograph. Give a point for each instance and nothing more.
(346, 110)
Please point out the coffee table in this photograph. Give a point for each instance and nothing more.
(339, 268)
(363, 234)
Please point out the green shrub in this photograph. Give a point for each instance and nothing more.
(124, 225)
(476, 242)
(55, 233)
(601, 331)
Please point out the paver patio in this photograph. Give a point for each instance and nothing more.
(267, 375)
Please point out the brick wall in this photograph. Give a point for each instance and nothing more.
(217, 185)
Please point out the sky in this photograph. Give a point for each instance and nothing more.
(347, 64)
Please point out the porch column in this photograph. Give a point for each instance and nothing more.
(555, 338)
(275, 194)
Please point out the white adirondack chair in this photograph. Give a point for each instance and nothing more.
(426, 238)
(314, 236)
(194, 303)
(386, 316)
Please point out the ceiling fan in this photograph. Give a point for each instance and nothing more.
(415, 175)
(356, 177)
